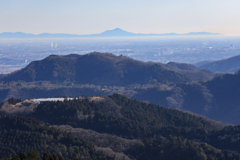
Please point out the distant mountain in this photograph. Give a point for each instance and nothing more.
(117, 32)
(16, 35)
(43, 35)
(202, 33)
(95, 68)
(229, 65)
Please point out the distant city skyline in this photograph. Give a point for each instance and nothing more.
(90, 17)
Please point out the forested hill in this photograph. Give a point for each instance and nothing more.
(226, 91)
(95, 68)
(118, 115)
(115, 121)
(217, 99)
(115, 114)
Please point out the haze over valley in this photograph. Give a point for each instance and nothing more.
(16, 54)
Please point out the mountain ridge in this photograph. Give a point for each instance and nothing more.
(228, 65)
(95, 68)
(117, 32)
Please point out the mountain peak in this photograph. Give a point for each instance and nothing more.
(116, 32)
(117, 29)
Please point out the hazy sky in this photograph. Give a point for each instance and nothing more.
(137, 16)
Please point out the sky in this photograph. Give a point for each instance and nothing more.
(137, 16)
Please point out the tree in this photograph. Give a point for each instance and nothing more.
(33, 155)
(22, 156)
(61, 158)
(45, 156)
(55, 157)
(51, 157)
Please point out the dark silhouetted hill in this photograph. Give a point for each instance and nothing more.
(95, 68)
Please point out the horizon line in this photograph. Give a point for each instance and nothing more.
(169, 33)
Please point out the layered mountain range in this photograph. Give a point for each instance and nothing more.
(143, 110)
(172, 85)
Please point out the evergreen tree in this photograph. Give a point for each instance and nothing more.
(61, 158)
(22, 156)
(55, 157)
(33, 155)
(45, 156)
(51, 157)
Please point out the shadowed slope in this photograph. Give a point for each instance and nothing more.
(190, 71)
(229, 65)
